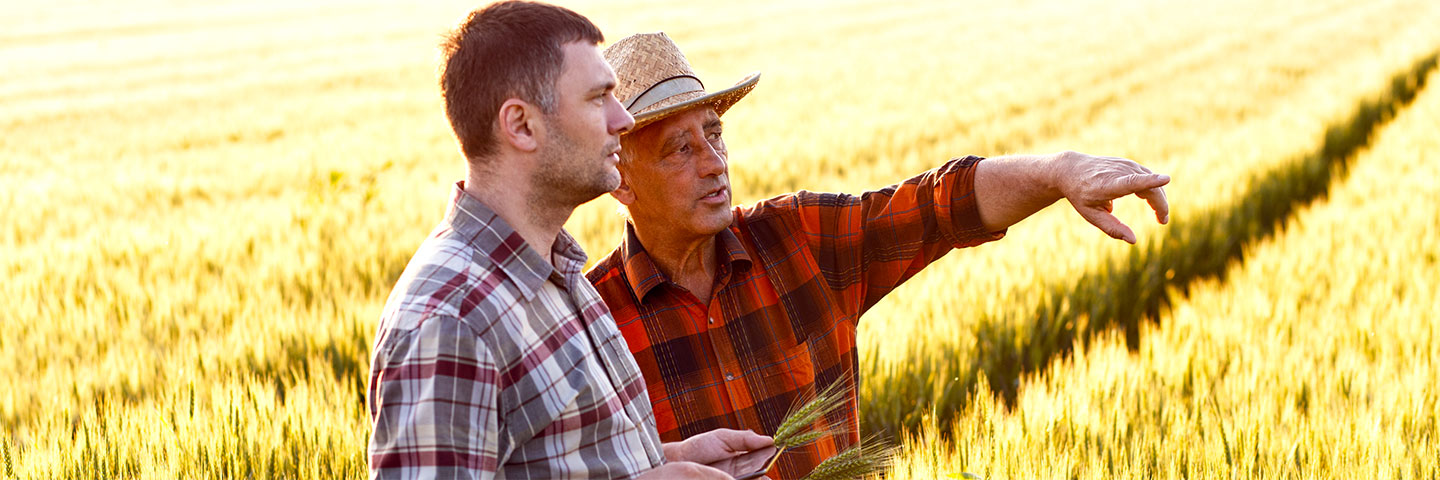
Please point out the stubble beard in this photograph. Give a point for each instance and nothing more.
(569, 175)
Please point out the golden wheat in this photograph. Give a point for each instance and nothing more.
(204, 205)
(1315, 358)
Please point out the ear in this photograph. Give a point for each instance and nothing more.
(518, 124)
(624, 194)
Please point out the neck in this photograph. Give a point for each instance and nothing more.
(688, 260)
(538, 218)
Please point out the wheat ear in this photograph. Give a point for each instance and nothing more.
(854, 462)
(824, 402)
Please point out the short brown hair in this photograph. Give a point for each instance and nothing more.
(507, 50)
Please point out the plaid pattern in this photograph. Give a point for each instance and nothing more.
(491, 363)
(795, 274)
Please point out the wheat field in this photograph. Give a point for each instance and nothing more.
(1316, 358)
(204, 206)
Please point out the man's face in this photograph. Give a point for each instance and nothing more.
(677, 175)
(580, 153)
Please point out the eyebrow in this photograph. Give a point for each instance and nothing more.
(712, 124)
(603, 87)
(673, 142)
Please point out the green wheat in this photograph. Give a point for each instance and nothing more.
(792, 431)
(856, 462)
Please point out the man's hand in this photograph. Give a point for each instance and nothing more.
(716, 445)
(685, 470)
(1008, 189)
(686, 459)
(1092, 183)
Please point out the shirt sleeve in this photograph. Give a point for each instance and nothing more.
(867, 245)
(435, 404)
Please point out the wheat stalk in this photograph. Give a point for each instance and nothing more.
(805, 438)
(797, 429)
(790, 433)
(855, 462)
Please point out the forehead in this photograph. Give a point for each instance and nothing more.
(584, 67)
(693, 119)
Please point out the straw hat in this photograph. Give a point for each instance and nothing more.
(655, 80)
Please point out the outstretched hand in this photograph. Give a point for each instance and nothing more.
(1092, 184)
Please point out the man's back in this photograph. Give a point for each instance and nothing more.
(489, 361)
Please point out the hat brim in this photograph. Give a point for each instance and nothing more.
(720, 100)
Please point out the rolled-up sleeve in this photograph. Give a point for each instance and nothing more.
(869, 244)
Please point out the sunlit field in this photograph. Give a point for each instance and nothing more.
(203, 207)
(1317, 358)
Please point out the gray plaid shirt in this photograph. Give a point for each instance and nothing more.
(491, 363)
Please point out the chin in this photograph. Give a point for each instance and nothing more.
(719, 222)
(612, 182)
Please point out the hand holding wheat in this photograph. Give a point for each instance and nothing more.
(798, 429)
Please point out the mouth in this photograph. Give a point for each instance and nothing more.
(719, 194)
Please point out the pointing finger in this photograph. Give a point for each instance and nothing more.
(1107, 223)
(1136, 183)
(1156, 198)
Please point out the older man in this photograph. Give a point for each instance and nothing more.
(494, 357)
(733, 313)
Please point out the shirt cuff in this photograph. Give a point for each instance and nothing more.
(968, 230)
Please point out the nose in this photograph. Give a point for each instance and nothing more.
(711, 162)
(619, 120)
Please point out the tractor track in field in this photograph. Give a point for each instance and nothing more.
(1125, 292)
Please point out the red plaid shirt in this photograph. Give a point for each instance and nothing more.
(795, 273)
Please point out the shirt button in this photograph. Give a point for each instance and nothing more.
(712, 320)
(729, 376)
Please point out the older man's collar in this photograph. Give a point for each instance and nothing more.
(644, 276)
(640, 270)
(733, 256)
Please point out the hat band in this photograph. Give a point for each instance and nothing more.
(665, 89)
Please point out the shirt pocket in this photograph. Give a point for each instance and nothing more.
(793, 372)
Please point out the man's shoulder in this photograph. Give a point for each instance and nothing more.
(608, 269)
(790, 205)
(769, 221)
(449, 278)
